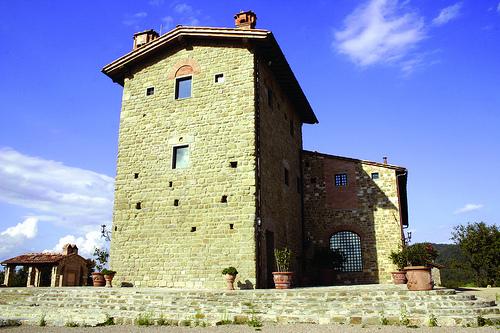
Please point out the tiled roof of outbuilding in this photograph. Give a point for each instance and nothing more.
(34, 258)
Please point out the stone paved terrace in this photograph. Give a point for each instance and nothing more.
(366, 304)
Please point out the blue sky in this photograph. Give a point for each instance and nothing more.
(417, 81)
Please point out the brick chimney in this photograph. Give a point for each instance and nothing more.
(70, 249)
(144, 37)
(245, 20)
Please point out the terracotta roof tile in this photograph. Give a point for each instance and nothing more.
(35, 258)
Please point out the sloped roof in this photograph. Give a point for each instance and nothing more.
(350, 159)
(262, 40)
(35, 258)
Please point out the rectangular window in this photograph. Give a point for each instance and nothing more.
(180, 158)
(150, 91)
(341, 179)
(183, 87)
(287, 177)
(375, 175)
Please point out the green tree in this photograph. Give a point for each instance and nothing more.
(480, 245)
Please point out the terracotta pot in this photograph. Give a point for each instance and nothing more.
(399, 277)
(230, 281)
(419, 278)
(98, 280)
(109, 278)
(283, 280)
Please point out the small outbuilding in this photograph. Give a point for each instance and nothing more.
(50, 269)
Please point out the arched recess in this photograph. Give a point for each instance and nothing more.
(184, 67)
(349, 243)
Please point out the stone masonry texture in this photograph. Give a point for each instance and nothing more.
(155, 245)
(368, 207)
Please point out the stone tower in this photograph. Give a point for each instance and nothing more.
(209, 158)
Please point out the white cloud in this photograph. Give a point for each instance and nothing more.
(469, 208)
(447, 14)
(168, 22)
(85, 244)
(64, 196)
(380, 31)
(14, 237)
(156, 2)
(134, 19)
(187, 15)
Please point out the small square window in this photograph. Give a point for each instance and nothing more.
(219, 78)
(150, 91)
(233, 164)
(287, 177)
(375, 175)
(183, 87)
(180, 158)
(341, 179)
(136, 175)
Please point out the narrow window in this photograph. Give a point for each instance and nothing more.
(341, 179)
(269, 97)
(138, 205)
(219, 78)
(231, 226)
(150, 91)
(136, 175)
(183, 87)
(170, 184)
(193, 229)
(287, 180)
(176, 202)
(116, 228)
(233, 164)
(223, 199)
(180, 158)
(375, 175)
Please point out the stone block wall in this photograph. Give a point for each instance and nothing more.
(154, 242)
(280, 145)
(368, 207)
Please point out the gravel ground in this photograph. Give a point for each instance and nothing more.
(246, 329)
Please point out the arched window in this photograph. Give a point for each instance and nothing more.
(349, 244)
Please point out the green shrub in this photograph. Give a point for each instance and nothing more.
(42, 322)
(420, 254)
(230, 270)
(399, 259)
(433, 321)
(283, 259)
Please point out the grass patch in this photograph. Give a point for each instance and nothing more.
(108, 322)
(144, 319)
(71, 324)
(42, 322)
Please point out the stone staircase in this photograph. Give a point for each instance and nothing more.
(368, 304)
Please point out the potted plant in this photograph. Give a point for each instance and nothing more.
(400, 260)
(101, 258)
(283, 277)
(230, 274)
(108, 276)
(420, 257)
(327, 261)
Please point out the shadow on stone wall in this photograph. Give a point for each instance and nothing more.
(329, 209)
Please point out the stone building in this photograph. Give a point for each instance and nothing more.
(50, 269)
(209, 170)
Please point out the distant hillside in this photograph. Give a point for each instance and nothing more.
(452, 276)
